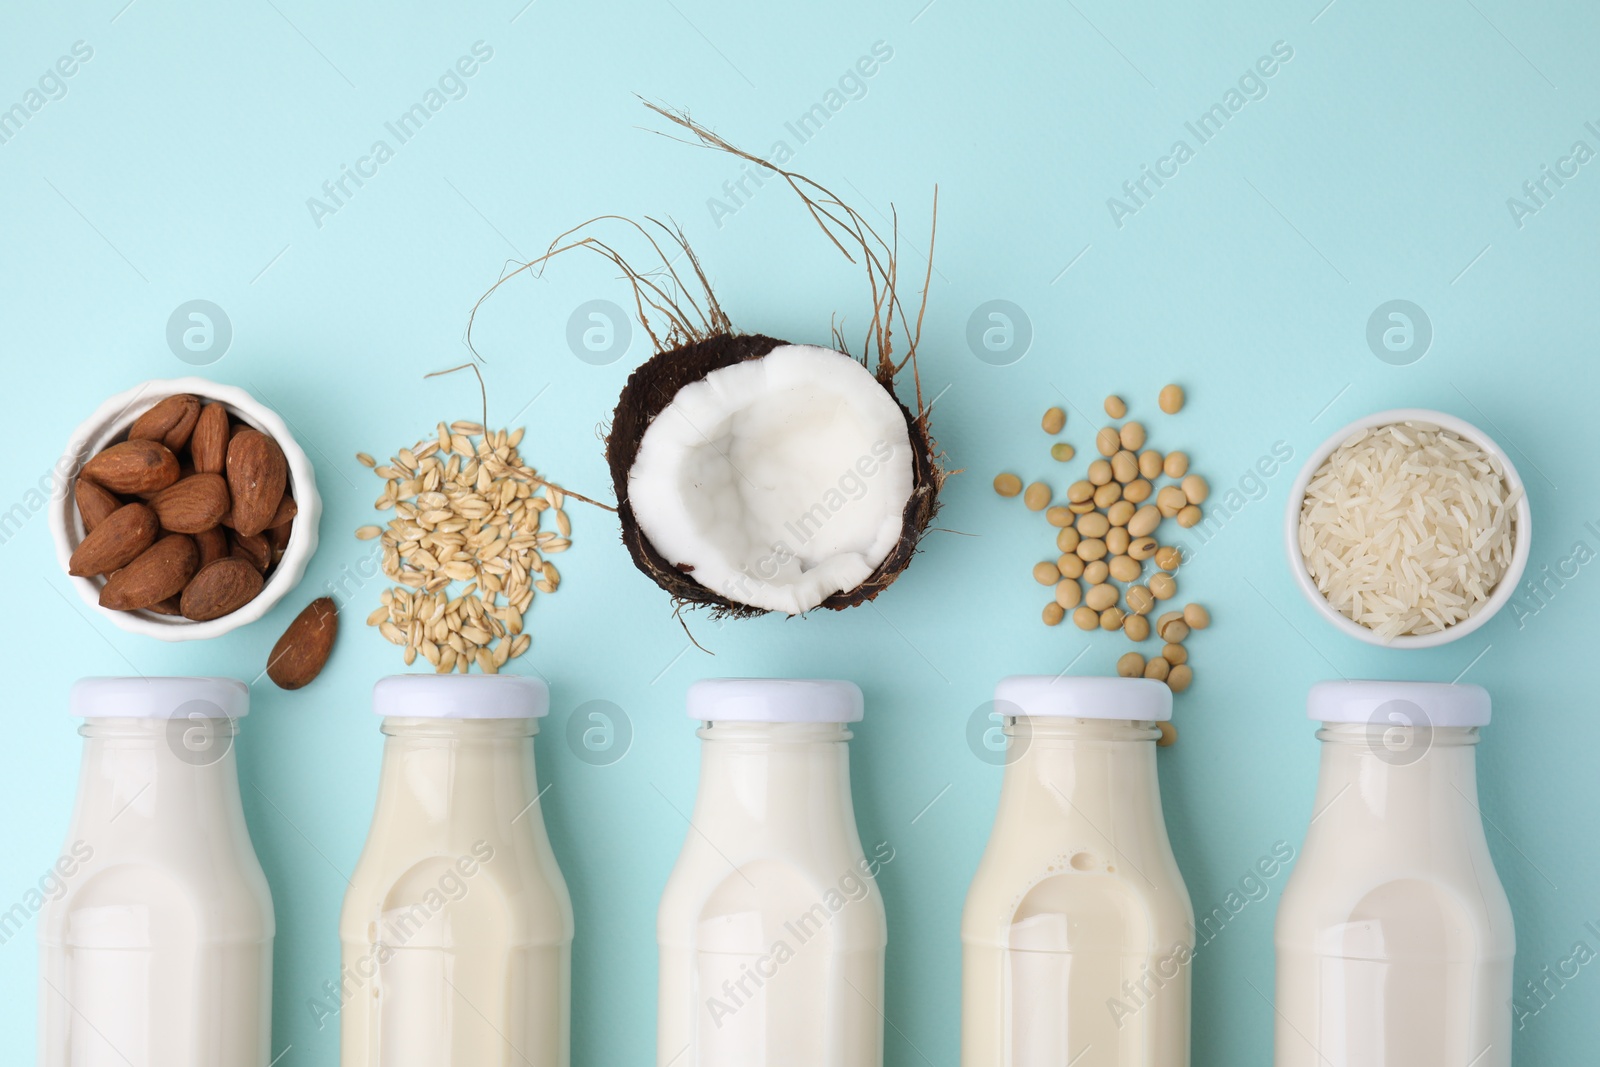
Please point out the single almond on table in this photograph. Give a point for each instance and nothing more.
(213, 544)
(208, 445)
(254, 548)
(160, 571)
(116, 541)
(192, 504)
(257, 476)
(220, 588)
(133, 467)
(170, 421)
(303, 650)
(94, 503)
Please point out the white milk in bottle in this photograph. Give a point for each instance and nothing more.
(771, 928)
(158, 953)
(1394, 936)
(1077, 933)
(457, 927)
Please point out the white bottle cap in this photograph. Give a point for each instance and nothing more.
(159, 698)
(1058, 696)
(1399, 703)
(775, 700)
(461, 696)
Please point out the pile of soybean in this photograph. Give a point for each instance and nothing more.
(1108, 530)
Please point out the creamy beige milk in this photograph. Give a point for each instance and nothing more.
(158, 952)
(1077, 933)
(457, 927)
(1394, 936)
(771, 930)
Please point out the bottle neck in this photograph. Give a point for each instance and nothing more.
(764, 777)
(1396, 776)
(439, 770)
(1086, 770)
(140, 773)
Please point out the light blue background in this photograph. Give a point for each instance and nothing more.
(1377, 167)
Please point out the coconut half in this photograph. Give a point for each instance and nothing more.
(755, 475)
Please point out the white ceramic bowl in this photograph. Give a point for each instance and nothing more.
(109, 424)
(1502, 592)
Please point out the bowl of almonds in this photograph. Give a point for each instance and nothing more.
(192, 511)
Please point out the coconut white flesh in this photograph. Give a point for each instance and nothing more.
(781, 480)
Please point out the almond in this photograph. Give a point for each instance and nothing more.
(303, 650)
(213, 544)
(94, 503)
(115, 541)
(133, 467)
(169, 606)
(278, 538)
(208, 445)
(170, 421)
(287, 510)
(254, 548)
(220, 588)
(257, 475)
(192, 504)
(160, 571)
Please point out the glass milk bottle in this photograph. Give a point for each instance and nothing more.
(457, 927)
(1077, 932)
(771, 928)
(1394, 936)
(158, 953)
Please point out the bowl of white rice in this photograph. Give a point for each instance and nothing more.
(1408, 528)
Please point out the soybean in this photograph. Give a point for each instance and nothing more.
(1163, 586)
(1125, 568)
(1168, 558)
(1053, 614)
(1117, 542)
(1107, 441)
(1068, 594)
(1150, 463)
(1119, 513)
(1081, 507)
(1171, 399)
(1175, 654)
(1085, 618)
(1067, 539)
(1101, 597)
(1115, 407)
(1054, 419)
(1107, 495)
(1062, 452)
(1174, 631)
(1169, 735)
(1096, 572)
(1091, 549)
(1137, 627)
(1141, 548)
(1111, 618)
(1099, 472)
(1196, 616)
(1138, 490)
(1157, 669)
(1145, 520)
(1093, 524)
(1189, 515)
(1036, 496)
(1131, 665)
(1007, 484)
(1045, 573)
(1140, 600)
(1070, 565)
(1196, 489)
(1058, 516)
(1180, 678)
(1132, 434)
(1171, 500)
(1125, 465)
(1176, 465)
(1078, 492)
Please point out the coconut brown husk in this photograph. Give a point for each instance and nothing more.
(693, 337)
